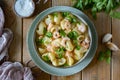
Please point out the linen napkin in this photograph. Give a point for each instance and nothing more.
(1, 21)
(14, 71)
(5, 41)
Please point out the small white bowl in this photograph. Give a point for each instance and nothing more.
(31, 5)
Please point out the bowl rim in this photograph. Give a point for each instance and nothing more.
(57, 70)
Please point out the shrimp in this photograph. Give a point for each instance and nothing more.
(87, 40)
(86, 43)
(81, 27)
(56, 34)
(68, 54)
(64, 40)
(50, 48)
(40, 37)
(49, 26)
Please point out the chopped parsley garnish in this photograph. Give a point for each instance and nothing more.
(73, 35)
(65, 65)
(64, 14)
(75, 42)
(55, 14)
(60, 52)
(44, 31)
(49, 34)
(46, 58)
(69, 18)
(78, 47)
(40, 41)
(62, 33)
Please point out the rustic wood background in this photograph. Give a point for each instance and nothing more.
(96, 70)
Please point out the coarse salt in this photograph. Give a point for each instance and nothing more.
(24, 8)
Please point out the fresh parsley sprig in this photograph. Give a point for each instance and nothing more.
(99, 5)
(106, 55)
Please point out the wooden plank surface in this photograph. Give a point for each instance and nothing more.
(116, 55)
(15, 24)
(38, 74)
(98, 70)
(62, 3)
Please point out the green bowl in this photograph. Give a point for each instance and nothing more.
(58, 71)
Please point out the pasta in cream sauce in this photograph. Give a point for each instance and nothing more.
(62, 39)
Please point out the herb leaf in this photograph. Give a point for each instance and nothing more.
(99, 6)
(49, 34)
(73, 35)
(105, 56)
(46, 58)
(62, 33)
(115, 14)
(75, 42)
(108, 60)
(101, 56)
(60, 52)
(55, 14)
(65, 65)
(44, 31)
(68, 17)
(39, 41)
(78, 47)
(64, 14)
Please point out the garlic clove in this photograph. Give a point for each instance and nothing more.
(106, 38)
(112, 46)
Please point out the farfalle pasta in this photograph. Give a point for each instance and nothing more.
(62, 39)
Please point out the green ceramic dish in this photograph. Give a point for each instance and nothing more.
(57, 70)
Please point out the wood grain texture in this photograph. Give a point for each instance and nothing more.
(39, 75)
(62, 3)
(116, 55)
(72, 77)
(98, 70)
(15, 24)
(75, 76)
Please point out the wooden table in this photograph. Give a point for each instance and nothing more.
(96, 70)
